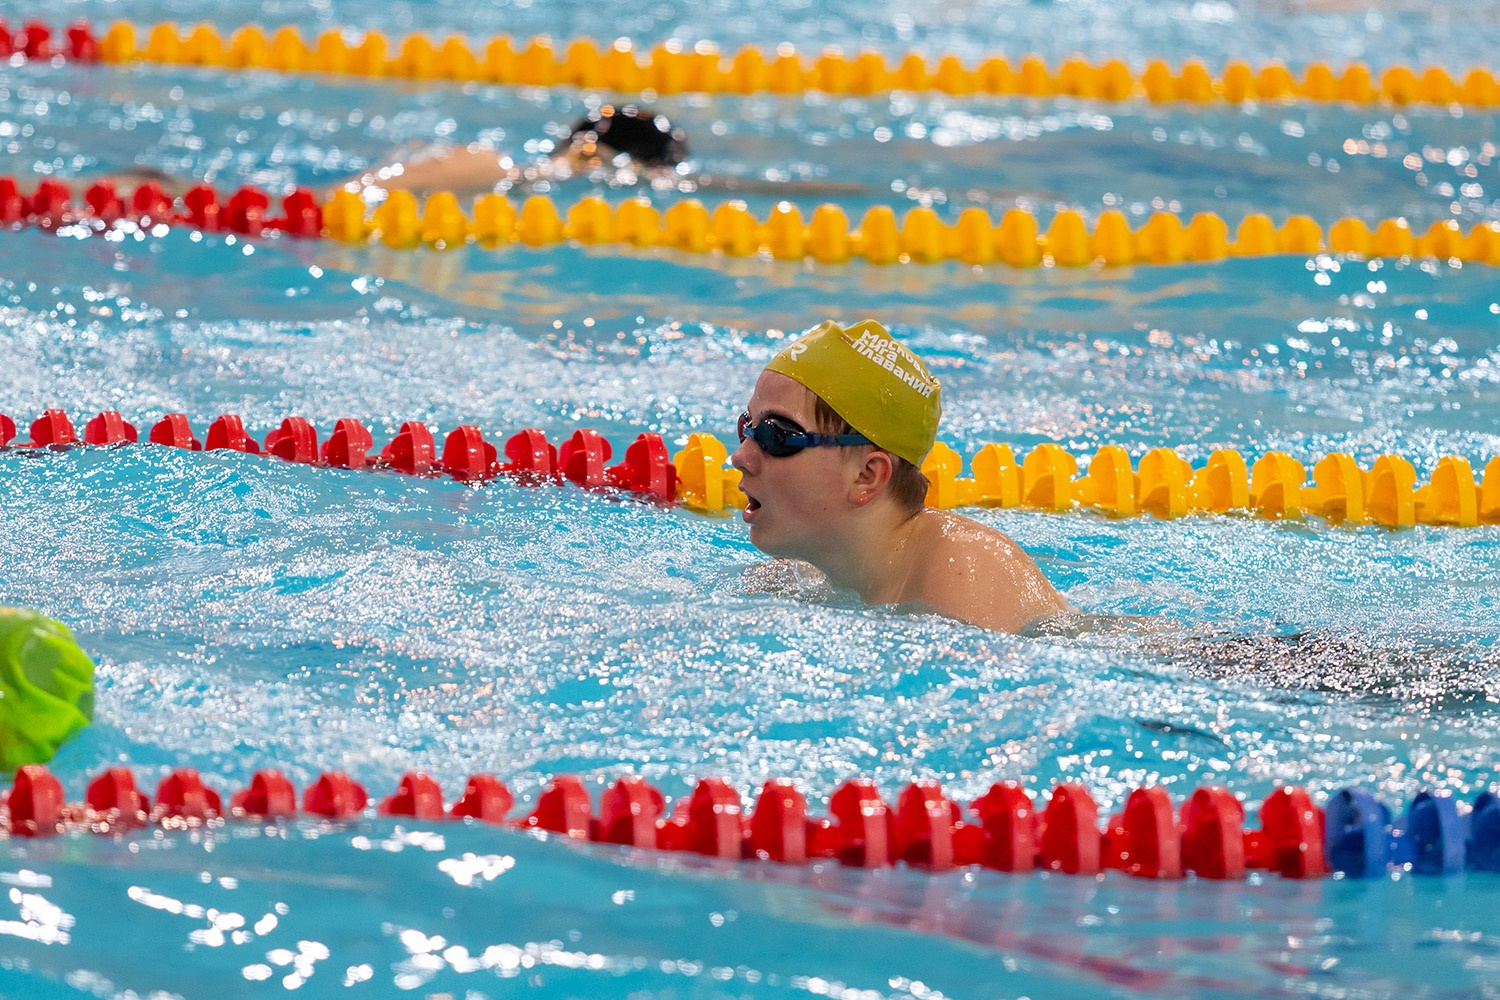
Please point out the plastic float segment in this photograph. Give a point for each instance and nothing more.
(114, 802)
(418, 795)
(334, 795)
(182, 795)
(270, 795)
(628, 813)
(485, 798)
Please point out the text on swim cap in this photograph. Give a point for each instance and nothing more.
(886, 353)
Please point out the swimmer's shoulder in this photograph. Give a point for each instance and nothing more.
(978, 574)
(952, 537)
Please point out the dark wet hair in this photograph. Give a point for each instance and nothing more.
(908, 484)
(642, 134)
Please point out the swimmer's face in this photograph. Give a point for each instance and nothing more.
(793, 500)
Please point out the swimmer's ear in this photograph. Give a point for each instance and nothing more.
(874, 475)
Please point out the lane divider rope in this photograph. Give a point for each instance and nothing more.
(1003, 829)
(671, 68)
(1164, 485)
(919, 237)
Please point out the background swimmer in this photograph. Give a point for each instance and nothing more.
(617, 145)
(620, 145)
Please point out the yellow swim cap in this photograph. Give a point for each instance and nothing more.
(871, 380)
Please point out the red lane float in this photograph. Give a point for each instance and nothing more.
(779, 828)
(334, 795)
(531, 455)
(113, 802)
(485, 798)
(247, 212)
(150, 204)
(294, 441)
(174, 431)
(466, 455)
(13, 207)
(581, 458)
(269, 796)
(925, 831)
(349, 445)
(1012, 832)
(37, 804)
(182, 795)
(418, 795)
(1213, 834)
(628, 813)
(109, 428)
(52, 429)
(202, 208)
(859, 834)
(227, 433)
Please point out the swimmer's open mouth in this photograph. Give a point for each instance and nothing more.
(751, 504)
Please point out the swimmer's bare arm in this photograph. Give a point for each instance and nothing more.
(469, 171)
(464, 171)
(979, 575)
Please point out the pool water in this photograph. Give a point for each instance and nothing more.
(247, 613)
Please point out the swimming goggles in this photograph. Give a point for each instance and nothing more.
(778, 438)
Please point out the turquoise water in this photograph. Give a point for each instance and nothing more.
(247, 613)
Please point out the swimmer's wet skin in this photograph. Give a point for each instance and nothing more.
(830, 451)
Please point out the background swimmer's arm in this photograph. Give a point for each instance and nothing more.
(465, 172)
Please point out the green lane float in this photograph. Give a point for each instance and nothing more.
(46, 687)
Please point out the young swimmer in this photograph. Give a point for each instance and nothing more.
(830, 453)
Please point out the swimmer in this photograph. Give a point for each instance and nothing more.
(627, 144)
(617, 145)
(830, 452)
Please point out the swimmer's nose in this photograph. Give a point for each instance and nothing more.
(741, 456)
